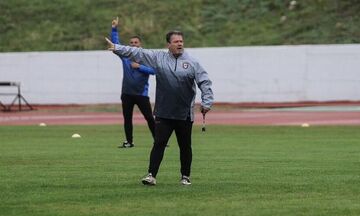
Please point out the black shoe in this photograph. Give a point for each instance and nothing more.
(127, 145)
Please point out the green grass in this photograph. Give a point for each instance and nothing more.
(44, 25)
(237, 170)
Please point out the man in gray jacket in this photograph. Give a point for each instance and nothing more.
(176, 75)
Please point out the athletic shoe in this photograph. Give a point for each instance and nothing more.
(127, 145)
(185, 180)
(149, 180)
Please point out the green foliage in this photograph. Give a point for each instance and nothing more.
(236, 171)
(40, 25)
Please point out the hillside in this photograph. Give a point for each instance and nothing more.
(44, 25)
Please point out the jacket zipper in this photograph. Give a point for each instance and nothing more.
(175, 63)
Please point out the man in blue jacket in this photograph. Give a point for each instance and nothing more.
(135, 87)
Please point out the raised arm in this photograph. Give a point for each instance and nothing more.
(114, 32)
(144, 56)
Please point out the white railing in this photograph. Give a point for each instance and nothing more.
(239, 74)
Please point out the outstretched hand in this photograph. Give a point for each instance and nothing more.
(110, 44)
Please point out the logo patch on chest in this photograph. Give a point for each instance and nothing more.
(185, 65)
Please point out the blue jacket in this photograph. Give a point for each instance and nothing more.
(135, 81)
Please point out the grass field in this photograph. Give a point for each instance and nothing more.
(237, 170)
(43, 25)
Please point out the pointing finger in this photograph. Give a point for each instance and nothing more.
(109, 42)
(111, 45)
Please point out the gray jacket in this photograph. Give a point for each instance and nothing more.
(175, 81)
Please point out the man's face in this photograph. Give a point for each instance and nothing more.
(135, 42)
(176, 45)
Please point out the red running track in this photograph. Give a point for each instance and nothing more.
(214, 117)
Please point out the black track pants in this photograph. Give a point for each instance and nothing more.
(163, 131)
(143, 102)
